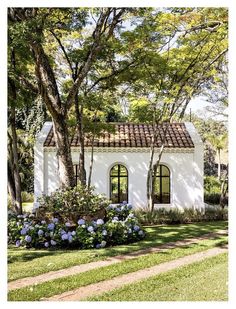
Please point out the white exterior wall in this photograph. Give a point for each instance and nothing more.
(186, 170)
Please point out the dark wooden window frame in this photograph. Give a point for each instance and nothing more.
(160, 176)
(119, 176)
(76, 171)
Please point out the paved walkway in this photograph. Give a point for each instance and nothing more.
(108, 285)
(20, 283)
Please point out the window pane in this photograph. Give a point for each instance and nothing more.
(123, 170)
(165, 190)
(123, 189)
(165, 170)
(114, 171)
(114, 190)
(157, 190)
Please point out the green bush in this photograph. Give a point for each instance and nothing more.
(27, 197)
(212, 198)
(175, 216)
(211, 185)
(216, 213)
(71, 204)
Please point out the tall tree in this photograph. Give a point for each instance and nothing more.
(183, 48)
(219, 142)
(14, 180)
(36, 22)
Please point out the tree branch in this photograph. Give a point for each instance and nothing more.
(97, 35)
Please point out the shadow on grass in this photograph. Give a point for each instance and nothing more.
(31, 254)
(155, 235)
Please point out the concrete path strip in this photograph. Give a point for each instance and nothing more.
(74, 270)
(108, 285)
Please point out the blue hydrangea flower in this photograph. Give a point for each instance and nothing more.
(104, 232)
(51, 226)
(136, 228)
(100, 222)
(55, 220)
(64, 237)
(73, 233)
(40, 232)
(129, 206)
(103, 244)
(141, 233)
(118, 209)
(28, 238)
(70, 238)
(115, 219)
(18, 243)
(23, 231)
(53, 242)
(81, 221)
(46, 244)
(63, 232)
(94, 223)
(43, 222)
(90, 229)
(67, 224)
(98, 246)
(110, 207)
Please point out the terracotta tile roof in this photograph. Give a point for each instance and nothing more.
(134, 135)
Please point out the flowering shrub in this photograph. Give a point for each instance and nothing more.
(81, 201)
(118, 227)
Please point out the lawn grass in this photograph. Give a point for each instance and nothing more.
(61, 285)
(32, 262)
(200, 281)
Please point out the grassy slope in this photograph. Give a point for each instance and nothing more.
(25, 262)
(188, 283)
(61, 285)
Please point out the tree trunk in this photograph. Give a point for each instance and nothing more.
(224, 190)
(14, 180)
(219, 163)
(91, 163)
(155, 167)
(150, 168)
(79, 126)
(66, 171)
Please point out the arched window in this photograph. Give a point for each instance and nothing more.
(162, 185)
(118, 184)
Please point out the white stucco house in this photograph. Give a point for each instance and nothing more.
(121, 163)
